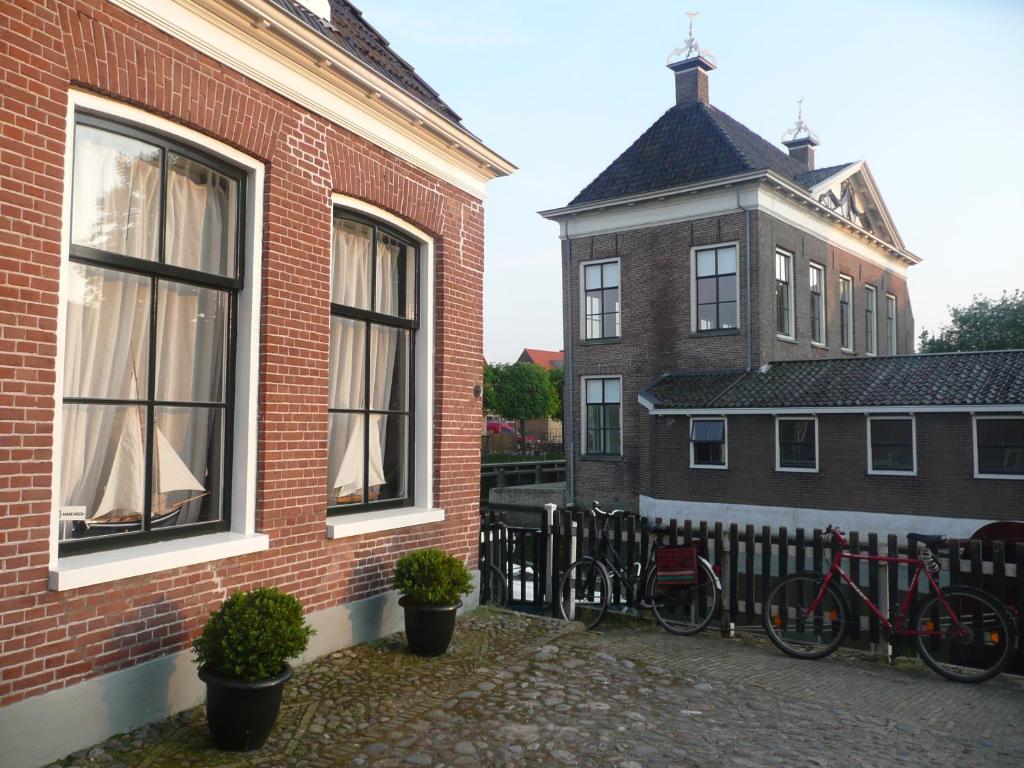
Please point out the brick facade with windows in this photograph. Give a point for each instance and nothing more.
(55, 639)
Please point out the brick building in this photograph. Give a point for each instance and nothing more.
(705, 252)
(240, 334)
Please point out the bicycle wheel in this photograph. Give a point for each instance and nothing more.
(684, 610)
(583, 592)
(493, 589)
(971, 649)
(794, 631)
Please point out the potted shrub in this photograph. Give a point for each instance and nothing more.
(432, 583)
(243, 655)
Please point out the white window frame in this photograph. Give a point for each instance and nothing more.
(975, 418)
(725, 444)
(913, 442)
(583, 298)
(87, 569)
(583, 417)
(790, 333)
(849, 314)
(870, 330)
(891, 325)
(694, 328)
(822, 301)
(817, 445)
(422, 511)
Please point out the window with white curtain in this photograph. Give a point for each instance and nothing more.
(374, 318)
(149, 338)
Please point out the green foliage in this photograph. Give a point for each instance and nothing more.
(518, 391)
(557, 378)
(982, 324)
(432, 577)
(252, 635)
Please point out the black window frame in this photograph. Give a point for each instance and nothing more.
(870, 320)
(804, 466)
(604, 407)
(369, 318)
(846, 313)
(982, 472)
(704, 440)
(784, 321)
(156, 271)
(817, 303)
(717, 276)
(874, 445)
(600, 294)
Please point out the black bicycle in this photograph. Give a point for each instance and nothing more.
(684, 598)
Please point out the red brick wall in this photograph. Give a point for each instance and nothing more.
(50, 639)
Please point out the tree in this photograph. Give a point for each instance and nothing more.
(557, 377)
(518, 391)
(983, 324)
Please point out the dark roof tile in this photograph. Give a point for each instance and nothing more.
(949, 379)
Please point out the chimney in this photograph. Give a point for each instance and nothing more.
(692, 79)
(802, 150)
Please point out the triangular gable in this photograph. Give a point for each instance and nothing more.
(852, 193)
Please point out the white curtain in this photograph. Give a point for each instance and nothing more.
(107, 337)
(350, 286)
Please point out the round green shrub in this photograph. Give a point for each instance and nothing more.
(252, 635)
(432, 577)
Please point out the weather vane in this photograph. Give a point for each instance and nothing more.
(801, 126)
(692, 46)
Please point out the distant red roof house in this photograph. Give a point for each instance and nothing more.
(545, 358)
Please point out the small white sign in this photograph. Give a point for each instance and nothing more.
(71, 514)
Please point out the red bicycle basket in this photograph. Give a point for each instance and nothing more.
(677, 565)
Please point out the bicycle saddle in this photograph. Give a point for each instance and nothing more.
(929, 540)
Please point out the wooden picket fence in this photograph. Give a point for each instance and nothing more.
(748, 559)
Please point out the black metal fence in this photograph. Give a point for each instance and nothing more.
(748, 558)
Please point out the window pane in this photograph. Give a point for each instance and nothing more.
(191, 342)
(389, 457)
(103, 468)
(705, 263)
(347, 384)
(116, 199)
(595, 441)
(612, 391)
(106, 341)
(595, 391)
(726, 260)
(350, 269)
(712, 454)
(595, 302)
(613, 438)
(782, 267)
(346, 441)
(815, 280)
(1001, 446)
(708, 431)
(707, 292)
(611, 274)
(727, 315)
(1001, 432)
(396, 277)
(727, 288)
(844, 289)
(594, 326)
(611, 300)
(595, 417)
(592, 275)
(796, 443)
(611, 326)
(389, 368)
(202, 217)
(707, 317)
(187, 466)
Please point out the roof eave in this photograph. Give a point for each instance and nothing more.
(325, 54)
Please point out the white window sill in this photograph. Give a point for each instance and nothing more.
(784, 337)
(998, 477)
(805, 470)
(819, 345)
(113, 564)
(359, 523)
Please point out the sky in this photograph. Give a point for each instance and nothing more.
(930, 94)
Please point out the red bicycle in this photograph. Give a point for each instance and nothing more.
(961, 632)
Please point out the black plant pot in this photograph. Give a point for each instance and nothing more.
(429, 628)
(241, 715)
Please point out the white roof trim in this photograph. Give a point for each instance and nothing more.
(1013, 408)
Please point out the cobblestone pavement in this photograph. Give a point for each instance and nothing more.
(521, 691)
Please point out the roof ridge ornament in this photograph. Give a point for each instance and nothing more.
(801, 127)
(692, 49)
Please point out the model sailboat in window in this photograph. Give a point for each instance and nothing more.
(123, 499)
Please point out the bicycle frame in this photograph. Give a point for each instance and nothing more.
(896, 627)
